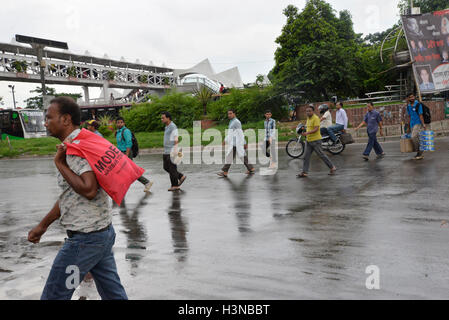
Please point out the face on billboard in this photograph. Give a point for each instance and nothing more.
(445, 56)
(413, 27)
(421, 46)
(425, 77)
(444, 25)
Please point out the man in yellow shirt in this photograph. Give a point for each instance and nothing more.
(314, 143)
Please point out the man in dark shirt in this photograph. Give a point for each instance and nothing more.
(373, 120)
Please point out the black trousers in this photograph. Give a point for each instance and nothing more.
(172, 170)
(228, 161)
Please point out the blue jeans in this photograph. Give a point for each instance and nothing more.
(89, 253)
(372, 142)
(333, 129)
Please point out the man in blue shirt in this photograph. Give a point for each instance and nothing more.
(416, 123)
(125, 144)
(373, 120)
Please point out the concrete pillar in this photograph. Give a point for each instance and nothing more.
(86, 94)
(106, 91)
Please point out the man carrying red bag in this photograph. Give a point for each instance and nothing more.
(83, 210)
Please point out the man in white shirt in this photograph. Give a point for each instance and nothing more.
(326, 119)
(235, 142)
(341, 122)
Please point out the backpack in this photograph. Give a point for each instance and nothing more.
(135, 147)
(426, 114)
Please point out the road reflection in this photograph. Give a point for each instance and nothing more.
(135, 232)
(242, 203)
(179, 227)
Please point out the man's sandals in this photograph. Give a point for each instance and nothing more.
(305, 175)
(222, 174)
(250, 172)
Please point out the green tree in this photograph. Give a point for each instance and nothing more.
(37, 101)
(425, 5)
(377, 38)
(204, 96)
(259, 80)
(318, 53)
(249, 104)
(183, 107)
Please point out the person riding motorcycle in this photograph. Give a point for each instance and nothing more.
(341, 123)
(326, 119)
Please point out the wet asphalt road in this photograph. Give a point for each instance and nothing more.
(264, 237)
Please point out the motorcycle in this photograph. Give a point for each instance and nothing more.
(295, 147)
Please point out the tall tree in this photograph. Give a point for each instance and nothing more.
(318, 53)
(37, 101)
(425, 5)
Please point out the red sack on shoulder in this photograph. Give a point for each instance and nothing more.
(115, 172)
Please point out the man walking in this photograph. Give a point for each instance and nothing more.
(314, 143)
(269, 144)
(236, 145)
(83, 211)
(171, 150)
(416, 123)
(373, 121)
(341, 122)
(125, 144)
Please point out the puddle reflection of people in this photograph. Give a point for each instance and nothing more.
(179, 227)
(135, 232)
(242, 203)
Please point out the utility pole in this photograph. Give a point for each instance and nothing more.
(39, 48)
(13, 96)
(38, 45)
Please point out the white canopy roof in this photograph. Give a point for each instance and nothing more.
(230, 78)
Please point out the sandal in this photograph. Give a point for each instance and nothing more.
(222, 174)
(251, 172)
(302, 175)
(332, 173)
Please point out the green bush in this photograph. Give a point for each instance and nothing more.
(183, 107)
(249, 104)
(105, 131)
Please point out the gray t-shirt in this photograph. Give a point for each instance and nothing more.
(170, 133)
(77, 212)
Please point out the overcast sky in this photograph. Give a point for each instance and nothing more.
(178, 33)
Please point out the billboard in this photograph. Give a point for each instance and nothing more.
(428, 41)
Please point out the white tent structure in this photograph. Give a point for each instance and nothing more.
(230, 78)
